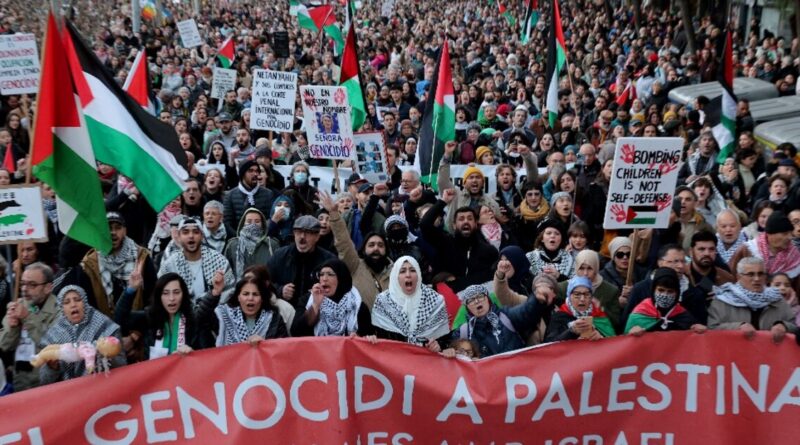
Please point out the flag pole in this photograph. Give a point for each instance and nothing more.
(433, 123)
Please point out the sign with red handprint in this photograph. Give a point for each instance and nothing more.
(642, 182)
(327, 122)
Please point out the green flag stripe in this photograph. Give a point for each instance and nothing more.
(444, 122)
(640, 320)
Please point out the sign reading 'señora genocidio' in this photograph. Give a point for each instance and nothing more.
(19, 64)
(643, 182)
(21, 215)
(273, 102)
(676, 388)
(326, 113)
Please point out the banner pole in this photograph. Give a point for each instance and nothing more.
(632, 260)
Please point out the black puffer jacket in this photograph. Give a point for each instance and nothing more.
(236, 203)
(288, 266)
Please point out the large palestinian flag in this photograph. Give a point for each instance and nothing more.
(721, 112)
(556, 59)
(439, 122)
(321, 18)
(137, 84)
(61, 155)
(350, 77)
(123, 134)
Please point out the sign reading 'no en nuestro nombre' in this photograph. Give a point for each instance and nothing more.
(643, 182)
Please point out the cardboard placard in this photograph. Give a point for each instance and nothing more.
(272, 107)
(224, 81)
(22, 215)
(326, 114)
(19, 64)
(190, 36)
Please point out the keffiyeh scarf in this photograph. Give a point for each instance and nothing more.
(786, 261)
(247, 242)
(563, 262)
(249, 194)
(216, 240)
(736, 295)
(727, 253)
(693, 162)
(338, 318)
(117, 266)
(211, 260)
(493, 233)
(233, 326)
(50, 209)
(429, 323)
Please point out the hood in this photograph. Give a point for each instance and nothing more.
(282, 198)
(244, 215)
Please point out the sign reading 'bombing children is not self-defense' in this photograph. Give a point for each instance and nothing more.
(643, 179)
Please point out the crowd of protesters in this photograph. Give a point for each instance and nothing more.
(245, 254)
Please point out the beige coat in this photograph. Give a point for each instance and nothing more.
(368, 284)
(722, 315)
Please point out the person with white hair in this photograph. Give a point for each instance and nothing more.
(749, 305)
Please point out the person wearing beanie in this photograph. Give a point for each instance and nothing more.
(663, 310)
(264, 156)
(616, 270)
(578, 317)
(749, 305)
(496, 330)
(471, 194)
(549, 255)
(247, 194)
(587, 264)
(484, 155)
(774, 246)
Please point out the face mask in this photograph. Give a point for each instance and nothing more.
(664, 301)
(287, 212)
(300, 177)
(253, 230)
(513, 154)
(397, 235)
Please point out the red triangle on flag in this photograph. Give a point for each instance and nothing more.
(8, 160)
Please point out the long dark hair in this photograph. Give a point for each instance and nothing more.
(266, 303)
(261, 273)
(343, 277)
(158, 314)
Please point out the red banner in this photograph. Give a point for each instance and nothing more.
(674, 388)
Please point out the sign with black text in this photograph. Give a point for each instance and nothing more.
(326, 114)
(272, 107)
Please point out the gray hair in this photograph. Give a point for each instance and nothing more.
(214, 205)
(748, 261)
(732, 213)
(301, 164)
(46, 270)
(414, 174)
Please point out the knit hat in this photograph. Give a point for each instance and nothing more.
(617, 243)
(471, 168)
(473, 291)
(482, 150)
(576, 282)
(545, 280)
(554, 223)
(666, 277)
(559, 195)
(778, 222)
(244, 166)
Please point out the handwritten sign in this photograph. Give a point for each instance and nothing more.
(272, 107)
(326, 113)
(19, 64)
(224, 81)
(643, 182)
(371, 156)
(190, 36)
(21, 215)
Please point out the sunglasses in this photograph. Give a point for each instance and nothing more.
(621, 255)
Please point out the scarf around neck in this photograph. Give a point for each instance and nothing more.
(600, 319)
(248, 239)
(563, 262)
(493, 233)
(727, 254)
(786, 261)
(338, 318)
(118, 266)
(736, 295)
(534, 214)
(249, 194)
(217, 239)
(233, 327)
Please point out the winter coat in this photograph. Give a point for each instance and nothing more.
(722, 315)
(265, 247)
(236, 203)
(288, 265)
(514, 325)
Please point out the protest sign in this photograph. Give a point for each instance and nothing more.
(280, 44)
(380, 111)
(272, 106)
(387, 8)
(326, 113)
(224, 81)
(19, 64)
(190, 36)
(643, 182)
(323, 177)
(663, 388)
(371, 156)
(21, 214)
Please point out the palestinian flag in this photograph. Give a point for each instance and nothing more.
(293, 6)
(646, 315)
(122, 134)
(8, 159)
(627, 96)
(319, 19)
(61, 155)
(531, 19)
(721, 112)
(137, 84)
(641, 215)
(556, 59)
(351, 77)
(226, 53)
(600, 320)
(506, 14)
(439, 122)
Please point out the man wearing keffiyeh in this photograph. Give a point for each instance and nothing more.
(748, 305)
(730, 235)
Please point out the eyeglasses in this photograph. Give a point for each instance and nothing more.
(31, 284)
(752, 275)
(582, 295)
(620, 255)
(474, 300)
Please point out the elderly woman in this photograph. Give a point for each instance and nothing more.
(549, 255)
(335, 306)
(409, 311)
(78, 322)
(494, 329)
(168, 325)
(663, 310)
(587, 264)
(248, 316)
(578, 318)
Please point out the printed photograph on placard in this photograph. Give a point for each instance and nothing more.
(328, 123)
(371, 156)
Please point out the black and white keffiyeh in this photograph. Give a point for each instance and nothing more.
(248, 239)
(118, 266)
(727, 253)
(736, 295)
(563, 262)
(249, 194)
(233, 326)
(217, 239)
(211, 262)
(338, 318)
(694, 161)
(419, 317)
